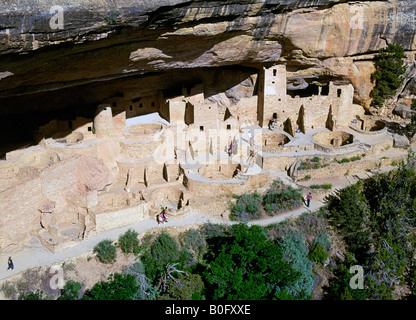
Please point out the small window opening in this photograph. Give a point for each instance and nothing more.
(140, 105)
(339, 93)
(153, 104)
(201, 128)
(114, 104)
(275, 115)
(89, 129)
(131, 108)
(228, 126)
(274, 72)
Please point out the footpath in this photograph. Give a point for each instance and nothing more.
(36, 257)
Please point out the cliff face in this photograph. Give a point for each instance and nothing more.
(47, 54)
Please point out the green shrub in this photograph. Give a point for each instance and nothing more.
(326, 186)
(37, 295)
(314, 163)
(128, 242)
(246, 208)
(70, 291)
(212, 230)
(112, 17)
(346, 160)
(117, 287)
(188, 288)
(295, 253)
(106, 251)
(318, 253)
(194, 240)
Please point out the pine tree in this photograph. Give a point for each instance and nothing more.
(388, 75)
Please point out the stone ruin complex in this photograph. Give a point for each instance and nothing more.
(141, 153)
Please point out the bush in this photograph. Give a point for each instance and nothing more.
(326, 186)
(70, 291)
(128, 242)
(281, 198)
(212, 230)
(117, 287)
(37, 295)
(188, 288)
(144, 287)
(318, 253)
(106, 251)
(246, 208)
(295, 253)
(194, 240)
(112, 17)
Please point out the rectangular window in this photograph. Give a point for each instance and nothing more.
(140, 105)
(228, 126)
(274, 72)
(339, 93)
(201, 128)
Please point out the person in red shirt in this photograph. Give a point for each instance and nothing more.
(308, 199)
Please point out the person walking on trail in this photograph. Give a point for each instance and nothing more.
(230, 149)
(160, 217)
(10, 263)
(308, 199)
(165, 215)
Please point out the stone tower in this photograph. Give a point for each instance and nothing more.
(103, 121)
(271, 93)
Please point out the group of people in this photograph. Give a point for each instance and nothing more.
(163, 216)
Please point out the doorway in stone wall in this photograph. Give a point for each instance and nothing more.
(287, 127)
(301, 119)
(329, 120)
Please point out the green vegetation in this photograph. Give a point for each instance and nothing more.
(247, 207)
(106, 251)
(370, 224)
(278, 198)
(388, 74)
(326, 186)
(376, 220)
(117, 287)
(318, 253)
(411, 127)
(37, 295)
(247, 266)
(112, 17)
(346, 160)
(71, 291)
(313, 163)
(128, 242)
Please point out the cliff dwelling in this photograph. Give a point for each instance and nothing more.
(140, 152)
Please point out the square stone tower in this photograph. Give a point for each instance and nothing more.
(272, 95)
